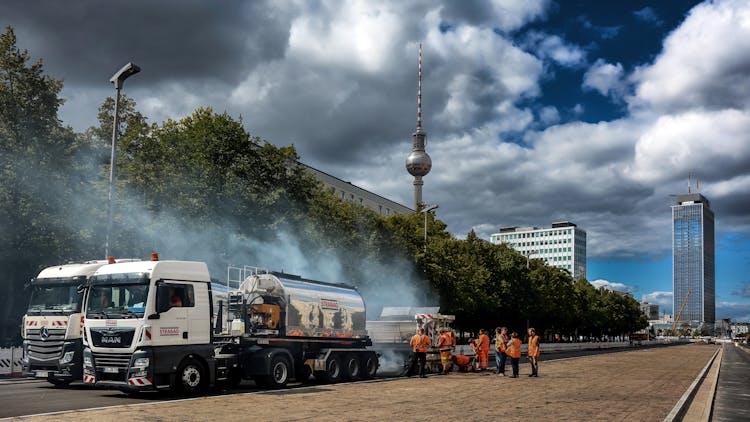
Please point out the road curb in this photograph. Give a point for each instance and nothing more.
(708, 408)
(679, 409)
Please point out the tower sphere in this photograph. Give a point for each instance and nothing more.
(418, 163)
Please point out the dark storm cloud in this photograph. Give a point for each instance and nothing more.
(80, 41)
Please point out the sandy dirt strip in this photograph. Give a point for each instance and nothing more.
(641, 385)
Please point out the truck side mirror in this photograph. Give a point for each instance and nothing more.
(162, 298)
(80, 288)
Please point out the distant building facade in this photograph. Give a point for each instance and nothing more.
(563, 245)
(352, 193)
(693, 267)
(651, 310)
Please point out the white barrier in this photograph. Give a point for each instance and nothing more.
(10, 361)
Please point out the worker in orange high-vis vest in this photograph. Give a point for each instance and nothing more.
(419, 343)
(483, 349)
(444, 346)
(514, 351)
(501, 339)
(533, 352)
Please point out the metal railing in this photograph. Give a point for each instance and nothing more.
(237, 275)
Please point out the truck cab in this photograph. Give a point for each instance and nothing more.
(52, 328)
(149, 326)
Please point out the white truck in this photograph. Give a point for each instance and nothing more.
(165, 325)
(52, 328)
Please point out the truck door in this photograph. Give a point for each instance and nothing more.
(173, 328)
(199, 314)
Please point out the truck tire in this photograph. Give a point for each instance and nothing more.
(280, 372)
(190, 377)
(333, 372)
(369, 365)
(352, 367)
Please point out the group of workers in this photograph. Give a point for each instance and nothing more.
(505, 346)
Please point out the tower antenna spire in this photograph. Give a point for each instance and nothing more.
(419, 89)
(418, 163)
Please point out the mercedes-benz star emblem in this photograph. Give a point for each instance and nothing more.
(44, 333)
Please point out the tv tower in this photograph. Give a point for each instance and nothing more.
(418, 163)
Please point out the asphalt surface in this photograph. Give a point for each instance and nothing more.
(732, 399)
(20, 397)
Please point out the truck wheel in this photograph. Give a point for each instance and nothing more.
(333, 371)
(369, 365)
(280, 372)
(352, 367)
(190, 377)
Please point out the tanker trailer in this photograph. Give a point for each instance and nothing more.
(182, 333)
(319, 328)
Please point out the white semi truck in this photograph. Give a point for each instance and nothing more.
(165, 325)
(52, 328)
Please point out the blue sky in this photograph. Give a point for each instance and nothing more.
(536, 110)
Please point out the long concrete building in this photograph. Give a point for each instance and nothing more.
(563, 245)
(348, 192)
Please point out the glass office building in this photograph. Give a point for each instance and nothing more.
(693, 266)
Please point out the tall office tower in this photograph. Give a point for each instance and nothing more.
(418, 163)
(562, 246)
(693, 268)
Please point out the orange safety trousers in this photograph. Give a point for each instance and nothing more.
(483, 358)
(445, 358)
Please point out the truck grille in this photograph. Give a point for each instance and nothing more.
(47, 347)
(115, 360)
(121, 361)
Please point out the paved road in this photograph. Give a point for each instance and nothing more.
(25, 397)
(732, 400)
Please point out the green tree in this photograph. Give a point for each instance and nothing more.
(36, 151)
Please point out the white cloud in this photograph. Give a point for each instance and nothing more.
(694, 142)
(704, 63)
(549, 115)
(355, 34)
(606, 78)
(554, 48)
(663, 299)
(614, 286)
(648, 14)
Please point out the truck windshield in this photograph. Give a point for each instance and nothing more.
(115, 296)
(55, 296)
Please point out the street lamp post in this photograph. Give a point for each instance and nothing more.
(424, 211)
(528, 254)
(118, 79)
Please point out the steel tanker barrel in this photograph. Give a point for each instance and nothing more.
(292, 306)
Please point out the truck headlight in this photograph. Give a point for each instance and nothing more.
(87, 361)
(141, 363)
(67, 357)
